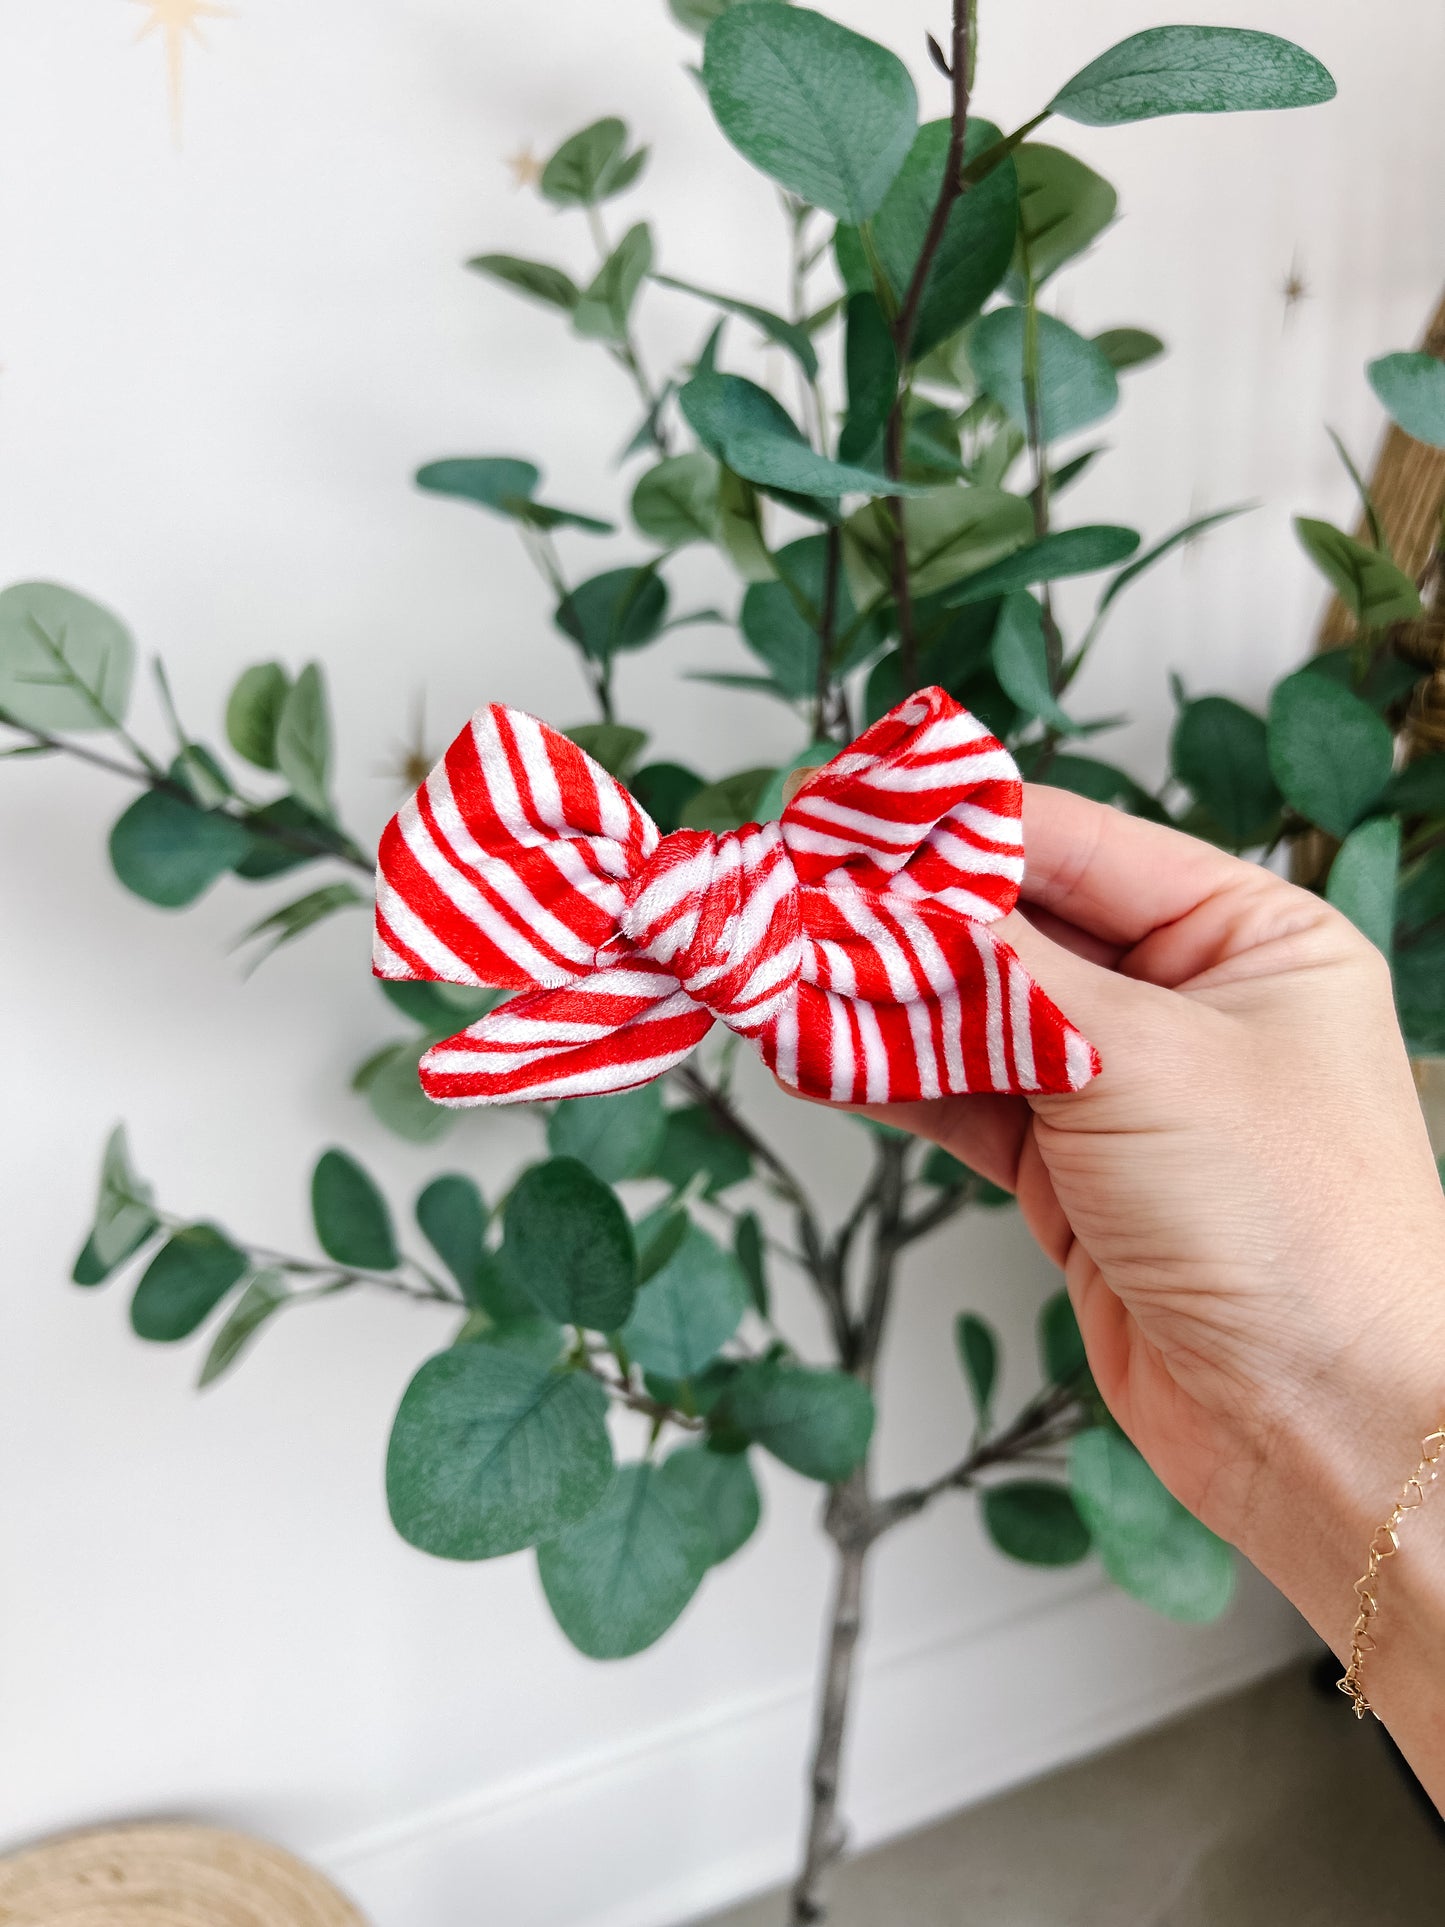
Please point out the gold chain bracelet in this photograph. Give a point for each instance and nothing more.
(1384, 1545)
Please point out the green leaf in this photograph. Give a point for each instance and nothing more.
(605, 310)
(1363, 878)
(261, 1300)
(1087, 776)
(973, 251)
(1419, 969)
(698, 15)
(978, 1355)
(619, 1578)
(568, 1245)
(253, 712)
(1421, 893)
(1063, 552)
(1076, 384)
(491, 1452)
(268, 856)
(825, 112)
(782, 620)
(778, 461)
(1412, 389)
(65, 662)
(1330, 753)
(787, 334)
(1173, 540)
(726, 805)
(353, 1225)
(538, 279)
(665, 789)
(1386, 681)
(1064, 207)
(1020, 660)
(748, 1250)
(688, 1310)
(540, 1341)
(724, 1492)
(819, 1423)
(293, 920)
(658, 1237)
(1192, 70)
(124, 1214)
(615, 746)
(1061, 1345)
(185, 1281)
(1418, 789)
(169, 852)
(303, 740)
(1150, 1546)
(1128, 347)
(616, 1136)
(438, 1008)
(694, 1143)
(591, 166)
(871, 371)
(1035, 1520)
(619, 609)
(676, 502)
(393, 1090)
(698, 1396)
(1369, 584)
(740, 524)
(452, 1216)
(942, 1169)
(504, 484)
(1220, 753)
(950, 533)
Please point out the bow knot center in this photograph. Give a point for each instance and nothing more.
(721, 913)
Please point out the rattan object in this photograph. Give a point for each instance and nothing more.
(165, 1876)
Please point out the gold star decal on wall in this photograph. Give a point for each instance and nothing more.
(525, 168)
(178, 22)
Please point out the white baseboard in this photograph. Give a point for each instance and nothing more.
(697, 1816)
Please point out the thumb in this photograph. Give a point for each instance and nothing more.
(1127, 1021)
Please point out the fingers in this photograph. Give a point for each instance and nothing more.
(1115, 876)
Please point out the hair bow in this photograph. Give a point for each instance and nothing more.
(848, 942)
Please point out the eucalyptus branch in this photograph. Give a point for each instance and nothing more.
(947, 1205)
(868, 1339)
(150, 776)
(1055, 1415)
(623, 1393)
(832, 562)
(905, 324)
(1038, 456)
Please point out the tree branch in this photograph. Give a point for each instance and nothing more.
(298, 841)
(905, 325)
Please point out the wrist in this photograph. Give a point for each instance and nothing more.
(1332, 1467)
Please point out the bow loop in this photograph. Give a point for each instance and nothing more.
(848, 941)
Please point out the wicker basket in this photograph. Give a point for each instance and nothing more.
(165, 1876)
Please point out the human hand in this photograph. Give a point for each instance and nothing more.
(1244, 1202)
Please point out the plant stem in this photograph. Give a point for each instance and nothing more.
(1038, 454)
(832, 559)
(824, 1840)
(905, 325)
(151, 777)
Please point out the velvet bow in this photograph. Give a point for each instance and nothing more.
(848, 942)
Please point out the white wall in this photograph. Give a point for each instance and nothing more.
(217, 369)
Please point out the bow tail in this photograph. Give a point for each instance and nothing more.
(983, 1025)
(611, 1030)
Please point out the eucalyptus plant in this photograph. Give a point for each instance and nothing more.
(614, 1349)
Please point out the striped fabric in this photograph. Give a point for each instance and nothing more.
(849, 942)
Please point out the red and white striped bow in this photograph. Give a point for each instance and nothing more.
(848, 942)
